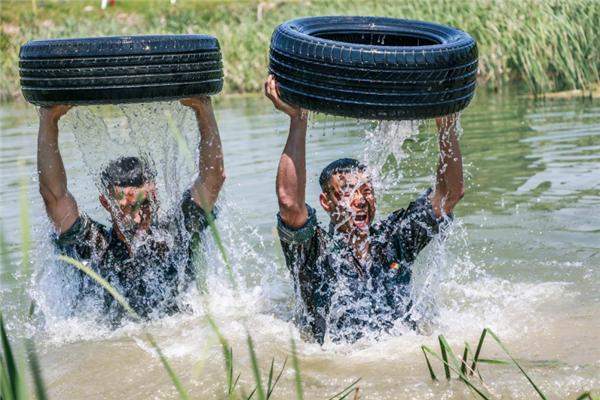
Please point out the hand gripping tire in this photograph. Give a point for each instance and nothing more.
(374, 67)
(120, 69)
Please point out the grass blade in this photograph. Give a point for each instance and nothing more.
(4, 251)
(14, 383)
(227, 355)
(494, 361)
(470, 371)
(270, 377)
(478, 350)
(523, 362)
(457, 363)
(465, 380)
(277, 378)
(251, 394)
(102, 282)
(346, 391)
(297, 374)
(181, 142)
(356, 394)
(255, 370)
(229, 365)
(176, 382)
(232, 387)
(431, 373)
(6, 390)
(497, 339)
(444, 356)
(36, 372)
(463, 364)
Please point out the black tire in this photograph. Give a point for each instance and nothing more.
(121, 80)
(120, 69)
(150, 59)
(129, 94)
(79, 72)
(374, 67)
(112, 46)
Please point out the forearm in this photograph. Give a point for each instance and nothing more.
(291, 175)
(211, 169)
(51, 170)
(449, 180)
(60, 204)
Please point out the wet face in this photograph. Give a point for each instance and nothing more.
(350, 202)
(132, 208)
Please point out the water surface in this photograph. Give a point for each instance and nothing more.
(523, 259)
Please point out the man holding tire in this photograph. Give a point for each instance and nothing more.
(353, 279)
(146, 254)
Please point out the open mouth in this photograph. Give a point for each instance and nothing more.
(361, 220)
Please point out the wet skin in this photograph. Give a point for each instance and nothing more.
(131, 208)
(350, 201)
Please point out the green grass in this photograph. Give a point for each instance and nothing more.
(451, 363)
(12, 386)
(547, 45)
(12, 381)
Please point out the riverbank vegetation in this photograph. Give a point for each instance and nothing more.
(546, 45)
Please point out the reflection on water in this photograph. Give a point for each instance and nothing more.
(522, 258)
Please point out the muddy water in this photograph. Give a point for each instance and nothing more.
(523, 259)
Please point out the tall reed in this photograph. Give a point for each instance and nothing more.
(12, 385)
(548, 45)
(465, 373)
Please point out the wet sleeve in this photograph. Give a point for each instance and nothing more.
(83, 239)
(416, 226)
(300, 245)
(195, 218)
(300, 235)
(302, 248)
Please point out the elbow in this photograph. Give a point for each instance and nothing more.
(288, 205)
(220, 180)
(216, 183)
(455, 196)
(47, 195)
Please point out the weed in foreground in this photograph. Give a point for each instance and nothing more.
(451, 363)
(548, 45)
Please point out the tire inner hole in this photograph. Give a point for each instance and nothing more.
(377, 38)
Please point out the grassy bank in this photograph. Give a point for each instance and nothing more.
(549, 45)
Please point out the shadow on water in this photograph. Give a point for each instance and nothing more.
(521, 257)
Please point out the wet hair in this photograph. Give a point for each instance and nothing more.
(343, 165)
(127, 171)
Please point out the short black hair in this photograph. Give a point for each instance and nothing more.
(127, 171)
(342, 165)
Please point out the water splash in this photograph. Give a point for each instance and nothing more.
(148, 130)
(166, 135)
(103, 134)
(384, 150)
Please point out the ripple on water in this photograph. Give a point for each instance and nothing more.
(524, 266)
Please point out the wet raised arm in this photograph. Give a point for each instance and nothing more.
(449, 180)
(61, 206)
(211, 176)
(291, 172)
